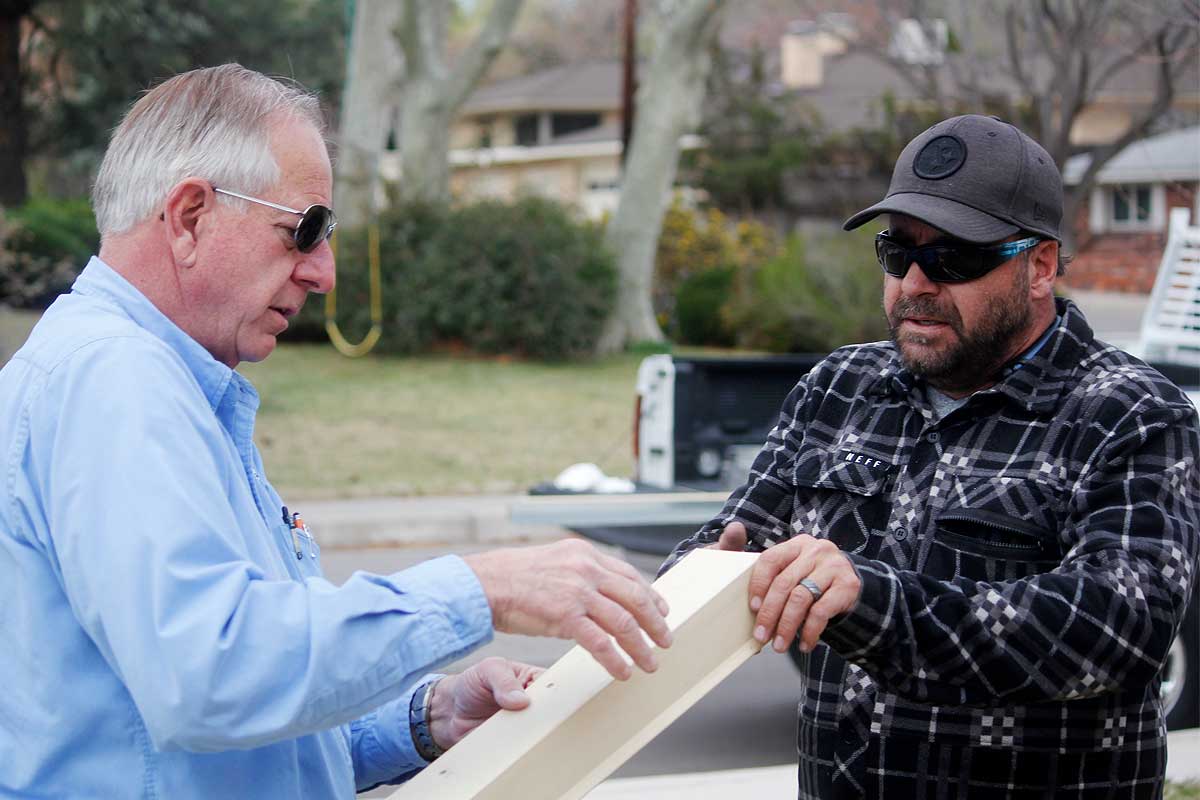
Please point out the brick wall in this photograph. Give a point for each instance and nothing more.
(1121, 262)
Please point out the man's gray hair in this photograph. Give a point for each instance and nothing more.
(209, 123)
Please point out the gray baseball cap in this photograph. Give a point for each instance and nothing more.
(977, 178)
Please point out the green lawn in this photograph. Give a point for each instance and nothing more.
(334, 427)
(1182, 791)
(14, 328)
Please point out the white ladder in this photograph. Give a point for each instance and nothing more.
(1171, 322)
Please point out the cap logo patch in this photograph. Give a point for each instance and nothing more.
(940, 158)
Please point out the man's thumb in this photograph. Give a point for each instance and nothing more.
(733, 537)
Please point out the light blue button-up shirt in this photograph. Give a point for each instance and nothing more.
(159, 637)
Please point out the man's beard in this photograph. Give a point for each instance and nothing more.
(972, 361)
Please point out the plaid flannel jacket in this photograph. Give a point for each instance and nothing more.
(1025, 561)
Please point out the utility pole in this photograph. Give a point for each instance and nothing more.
(629, 79)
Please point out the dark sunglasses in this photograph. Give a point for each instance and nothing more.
(946, 263)
(316, 224)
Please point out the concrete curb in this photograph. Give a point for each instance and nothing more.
(1183, 756)
(420, 521)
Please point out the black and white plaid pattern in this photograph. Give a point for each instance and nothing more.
(1026, 561)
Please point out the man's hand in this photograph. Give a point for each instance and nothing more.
(571, 590)
(784, 605)
(463, 702)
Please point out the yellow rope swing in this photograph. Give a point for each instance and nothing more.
(344, 346)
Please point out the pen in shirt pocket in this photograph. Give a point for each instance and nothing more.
(301, 527)
(290, 521)
(298, 528)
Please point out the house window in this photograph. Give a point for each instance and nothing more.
(485, 134)
(562, 124)
(1131, 205)
(527, 130)
(1128, 208)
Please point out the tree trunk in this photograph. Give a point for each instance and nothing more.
(1073, 200)
(424, 142)
(374, 65)
(432, 93)
(668, 106)
(13, 188)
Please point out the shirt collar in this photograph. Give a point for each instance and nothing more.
(1045, 367)
(214, 378)
(1044, 374)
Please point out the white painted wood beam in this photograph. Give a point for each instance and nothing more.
(581, 723)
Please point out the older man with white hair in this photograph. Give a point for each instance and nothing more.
(167, 631)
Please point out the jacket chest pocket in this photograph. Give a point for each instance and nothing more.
(981, 545)
(842, 501)
(300, 549)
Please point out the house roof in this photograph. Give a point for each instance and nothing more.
(1140, 79)
(849, 96)
(1173, 156)
(582, 86)
(855, 82)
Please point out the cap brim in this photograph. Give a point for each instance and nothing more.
(958, 220)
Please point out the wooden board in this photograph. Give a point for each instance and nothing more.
(581, 723)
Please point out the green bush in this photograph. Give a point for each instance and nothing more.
(59, 228)
(693, 242)
(519, 278)
(698, 308)
(821, 292)
(43, 246)
(405, 230)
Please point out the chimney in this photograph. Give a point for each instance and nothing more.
(804, 46)
(921, 41)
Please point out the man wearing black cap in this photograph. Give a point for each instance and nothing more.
(984, 532)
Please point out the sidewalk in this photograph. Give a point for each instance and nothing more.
(420, 521)
(1115, 317)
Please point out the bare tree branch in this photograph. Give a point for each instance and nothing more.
(432, 92)
(482, 52)
(1041, 24)
(1015, 50)
(1164, 94)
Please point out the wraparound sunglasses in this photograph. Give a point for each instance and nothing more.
(946, 263)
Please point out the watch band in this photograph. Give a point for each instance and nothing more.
(420, 710)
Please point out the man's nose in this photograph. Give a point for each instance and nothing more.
(915, 281)
(316, 271)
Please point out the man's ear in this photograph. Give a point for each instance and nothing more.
(186, 214)
(1043, 269)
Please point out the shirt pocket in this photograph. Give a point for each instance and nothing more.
(842, 501)
(310, 564)
(982, 545)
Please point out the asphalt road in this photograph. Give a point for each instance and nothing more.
(749, 720)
